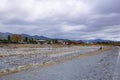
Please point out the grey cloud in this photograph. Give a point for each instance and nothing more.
(105, 21)
(101, 19)
(108, 6)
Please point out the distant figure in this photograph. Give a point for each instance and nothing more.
(101, 48)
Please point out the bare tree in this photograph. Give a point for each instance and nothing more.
(16, 38)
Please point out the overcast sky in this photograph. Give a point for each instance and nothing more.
(72, 19)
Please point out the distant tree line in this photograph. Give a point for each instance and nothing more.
(17, 38)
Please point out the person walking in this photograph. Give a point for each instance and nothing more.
(101, 48)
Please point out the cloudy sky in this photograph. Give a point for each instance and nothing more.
(72, 19)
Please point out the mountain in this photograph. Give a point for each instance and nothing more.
(5, 35)
(96, 40)
(25, 35)
(40, 37)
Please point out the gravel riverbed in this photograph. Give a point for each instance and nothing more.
(18, 59)
(97, 66)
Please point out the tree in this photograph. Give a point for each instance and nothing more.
(26, 39)
(32, 40)
(9, 38)
(55, 41)
(16, 38)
